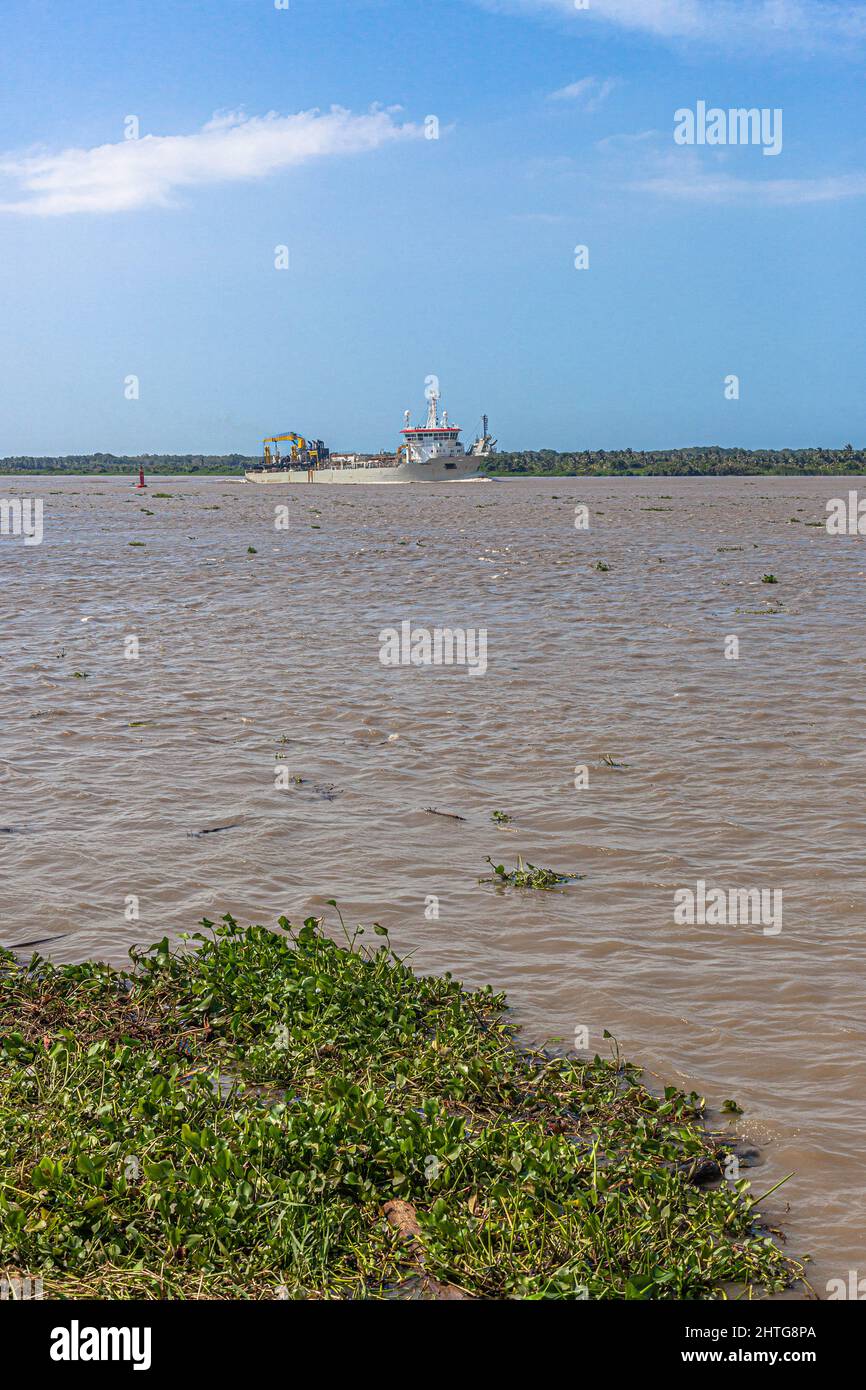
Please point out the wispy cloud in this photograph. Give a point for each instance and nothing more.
(726, 188)
(690, 180)
(618, 143)
(131, 174)
(589, 92)
(798, 23)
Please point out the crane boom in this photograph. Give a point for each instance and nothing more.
(302, 453)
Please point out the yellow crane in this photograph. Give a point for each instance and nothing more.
(302, 454)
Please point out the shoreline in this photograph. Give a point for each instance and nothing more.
(237, 474)
(277, 1115)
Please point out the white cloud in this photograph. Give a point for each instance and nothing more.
(669, 17)
(625, 142)
(689, 180)
(589, 92)
(800, 23)
(141, 173)
(725, 188)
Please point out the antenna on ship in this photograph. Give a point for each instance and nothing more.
(484, 426)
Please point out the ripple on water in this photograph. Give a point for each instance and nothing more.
(156, 777)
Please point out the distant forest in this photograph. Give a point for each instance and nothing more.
(708, 460)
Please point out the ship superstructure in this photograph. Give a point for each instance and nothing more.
(434, 439)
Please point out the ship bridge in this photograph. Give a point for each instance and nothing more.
(434, 438)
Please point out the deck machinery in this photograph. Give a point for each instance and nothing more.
(302, 453)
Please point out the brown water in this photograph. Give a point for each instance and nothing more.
(742, 773)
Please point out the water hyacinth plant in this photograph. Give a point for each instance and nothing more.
(275, 1115)
(526, 876)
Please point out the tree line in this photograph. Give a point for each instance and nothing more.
(693, 462)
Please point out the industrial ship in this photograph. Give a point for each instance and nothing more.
(429, 453)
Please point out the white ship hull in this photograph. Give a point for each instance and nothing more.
(441, 469)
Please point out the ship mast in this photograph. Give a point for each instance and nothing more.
(432, 417)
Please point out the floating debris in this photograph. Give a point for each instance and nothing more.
(212, 830)
(38, 941)
(608, 761)
(527, 876)
(325, 791)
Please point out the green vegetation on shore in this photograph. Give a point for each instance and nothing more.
(126, 463)
(276, 1115)
(706, 460)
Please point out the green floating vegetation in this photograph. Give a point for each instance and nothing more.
(276, 1115)
(526, 875)
(501, 817)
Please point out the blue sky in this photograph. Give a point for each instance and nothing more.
(411, 256)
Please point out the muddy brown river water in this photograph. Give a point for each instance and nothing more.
(258, 709)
